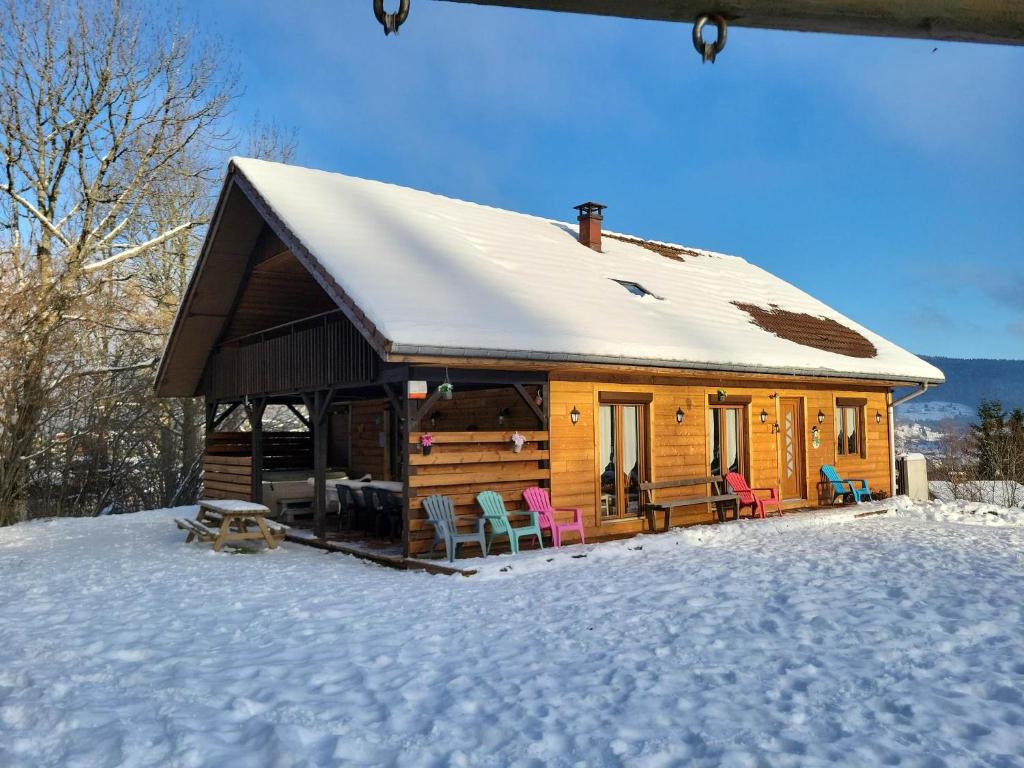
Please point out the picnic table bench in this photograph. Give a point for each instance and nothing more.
(718, 496)
(225, 521)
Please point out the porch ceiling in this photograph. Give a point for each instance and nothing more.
(979, 21)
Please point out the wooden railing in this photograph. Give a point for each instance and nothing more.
(462, 464)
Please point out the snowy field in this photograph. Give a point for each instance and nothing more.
(1005, 493)
(807, 641)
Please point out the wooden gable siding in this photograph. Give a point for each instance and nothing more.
(681, 451)
(278, 290)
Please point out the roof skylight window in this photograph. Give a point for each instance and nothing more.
(635, 288)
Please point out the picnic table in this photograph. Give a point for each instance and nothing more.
(718, 496)
(225, 521)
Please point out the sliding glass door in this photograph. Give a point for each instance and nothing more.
(623, 458)
(727, 443)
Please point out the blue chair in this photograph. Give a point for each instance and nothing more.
(496, 514)
(843, 488)
(441, 514)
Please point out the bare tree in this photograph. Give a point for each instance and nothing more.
(106, 114)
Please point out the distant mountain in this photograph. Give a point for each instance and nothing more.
(969, 381)
(922, 423)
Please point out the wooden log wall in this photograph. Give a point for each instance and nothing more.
(227, 461)
(227, 477)
(461, 465)
(681, 451)
(369, 439)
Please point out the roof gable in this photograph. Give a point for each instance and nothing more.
(441, 276)
(421, 274)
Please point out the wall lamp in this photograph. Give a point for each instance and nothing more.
(680, 415)
(821, 417)
(878, 417)
(503, 414)
(764, 416)
(574, 415)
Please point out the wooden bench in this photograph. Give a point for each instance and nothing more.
(718, 496)
(195, 529)
(288, 508)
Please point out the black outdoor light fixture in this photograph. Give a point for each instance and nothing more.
(574, 415)
(503, 414)
(764, 416)
(878, 417)
(680, 415)
(821, 416)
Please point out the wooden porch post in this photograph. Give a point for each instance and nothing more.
(211, 414)
(408, 426)
(317, 405)
(254, 412)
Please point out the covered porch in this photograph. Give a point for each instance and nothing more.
(344, 464)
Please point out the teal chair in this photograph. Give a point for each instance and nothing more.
(496, 514)
(843, 488)
(441, 514)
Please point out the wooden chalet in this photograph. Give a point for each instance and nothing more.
(620, 360)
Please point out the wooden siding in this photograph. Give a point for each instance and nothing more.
(227, 461)
(369, 439)
(461, 465)
(681, 451)
(329, 353)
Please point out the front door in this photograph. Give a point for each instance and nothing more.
(792, 470)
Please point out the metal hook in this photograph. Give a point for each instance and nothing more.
(707, 50)
(391, 21)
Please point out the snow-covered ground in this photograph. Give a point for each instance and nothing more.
(810, 640)
(1005, 493)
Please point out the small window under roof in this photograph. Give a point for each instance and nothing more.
(635, 288)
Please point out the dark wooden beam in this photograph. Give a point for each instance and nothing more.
(218, 420)
(477, 376)
(317, 405)
(532, 405)
(393, 398)
(418, 412)
(254, 413)
(976, 21)
(407, 411)
(298, 414)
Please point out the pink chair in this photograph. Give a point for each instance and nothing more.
(537, 500)
(750, 499)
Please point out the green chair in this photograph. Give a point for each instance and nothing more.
(496, 514)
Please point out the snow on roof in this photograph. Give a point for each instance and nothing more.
(442, 276)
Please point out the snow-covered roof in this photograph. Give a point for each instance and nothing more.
(440, 276)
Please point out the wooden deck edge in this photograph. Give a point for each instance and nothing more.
(872, 513)
(396, 562)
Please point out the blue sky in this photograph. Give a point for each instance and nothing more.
(882, 177)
